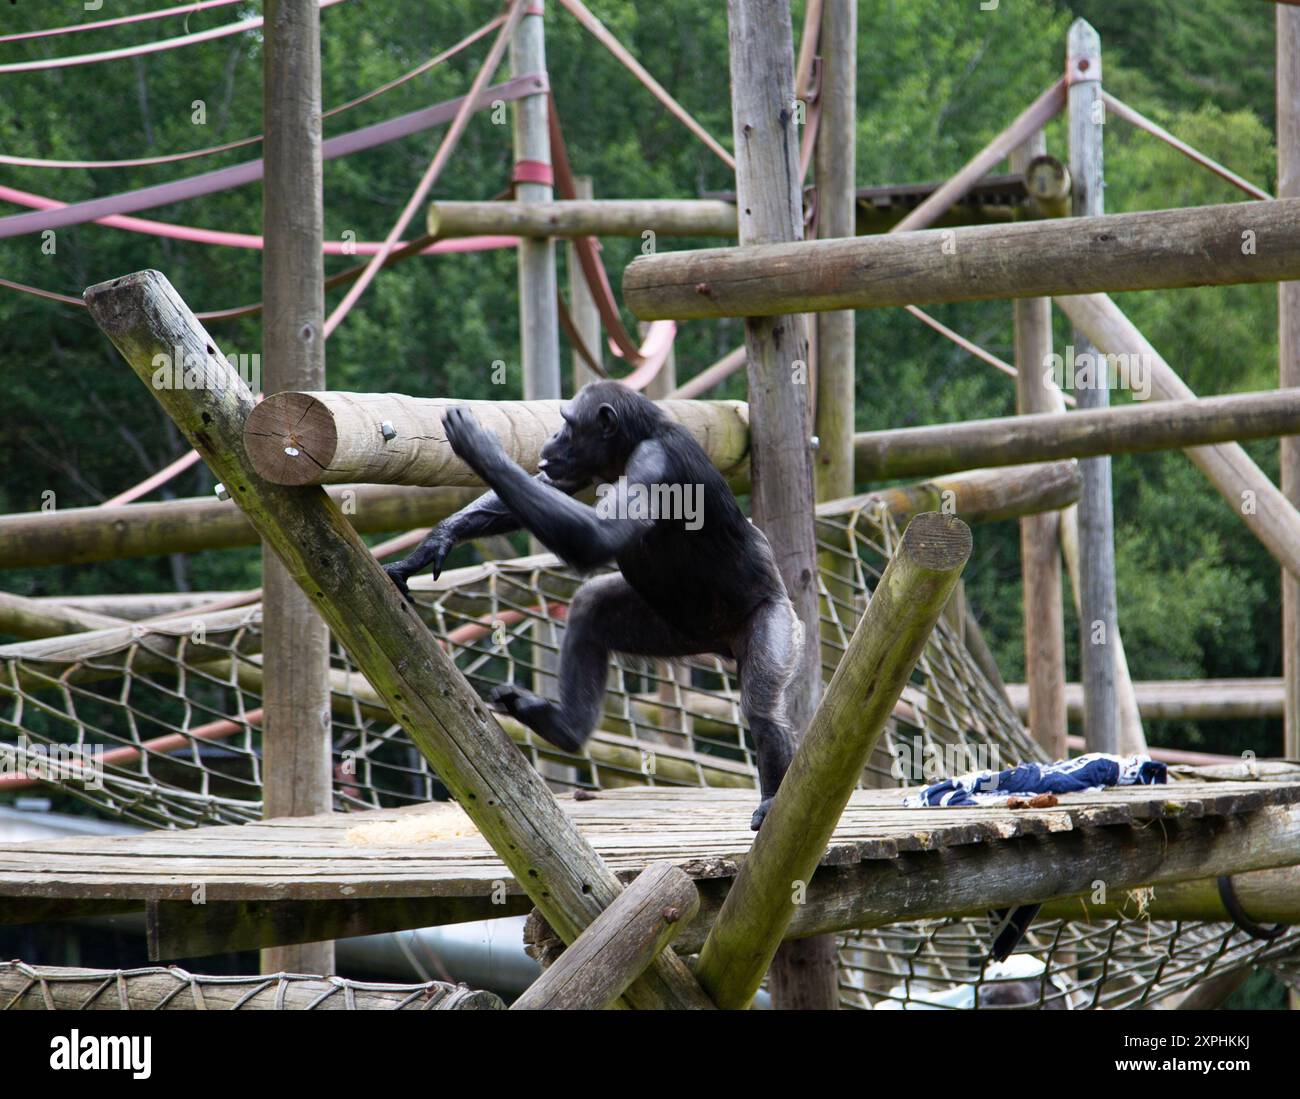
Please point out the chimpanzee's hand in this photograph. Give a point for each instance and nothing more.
(398, 576)
(473, 444)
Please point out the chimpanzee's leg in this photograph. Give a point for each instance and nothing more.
(606, 616)
(767, 654)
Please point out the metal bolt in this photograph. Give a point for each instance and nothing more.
(292, 451)
(671, 914)
(815, 442)
(221, 492)
(387, 430)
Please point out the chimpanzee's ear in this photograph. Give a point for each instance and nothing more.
(608, 420)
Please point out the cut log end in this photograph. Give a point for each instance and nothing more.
(937, 542)
(291, 437)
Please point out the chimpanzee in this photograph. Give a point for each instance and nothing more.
(707, 583)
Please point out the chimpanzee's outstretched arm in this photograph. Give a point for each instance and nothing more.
(578, 534)
(484, 517)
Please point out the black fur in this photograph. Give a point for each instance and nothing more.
(715, 589)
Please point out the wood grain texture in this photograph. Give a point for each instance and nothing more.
(1160, 249)
(1288, 319)
(472, 754)
(613, 951)
(876, 665)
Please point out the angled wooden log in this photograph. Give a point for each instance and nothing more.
(1134, 428)
(615, 949)
(870, 678)
(31, 618)
(1160, 249)
(584, 218)
(317, 438)
(1259, 504)
(508, 801)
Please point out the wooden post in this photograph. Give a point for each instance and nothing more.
(584, 216)
(618, 944)
(1153, 250)
(582, 306)
(1040, 558)
(1098, 618)
(1288, 318)
(539, 326)
(296, 743)
(1288, 312)
(880, 658)
(770, 208)
(835, 165)
(390, 645)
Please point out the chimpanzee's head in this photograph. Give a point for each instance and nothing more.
(602, 426)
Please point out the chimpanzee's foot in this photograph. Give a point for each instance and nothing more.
(756, 821)
(537, 713)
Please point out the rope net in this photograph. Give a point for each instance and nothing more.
(177, 708)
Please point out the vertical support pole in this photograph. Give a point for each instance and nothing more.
(1040, 560)
(296, 748)
(770, 207)
(1098, 620)
(835, 165)
(539, 326)
(1288, 318)
(582, 306)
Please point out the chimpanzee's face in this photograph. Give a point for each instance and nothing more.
(582, 450)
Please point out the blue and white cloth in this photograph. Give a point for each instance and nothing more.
(1084, 774)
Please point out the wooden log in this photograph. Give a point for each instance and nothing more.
(615, 949)
(75, 536)
(63, 988)
(297, 766)
(1135, 428)
(539, 323)
(1184, 700)
(132, 608)
(1040, 559)
(1255, 499)
(584, 217)
(974, 877)
(582, 306)
(1098, 609)
(770, 200)
(335, 432)
(870, 678)
(389, 644)
(976, 496)
(1160, 249)
(835, 164)
(33, 618)
(1267, 897)
(1288, 339)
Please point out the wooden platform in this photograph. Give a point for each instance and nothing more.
(291, 872)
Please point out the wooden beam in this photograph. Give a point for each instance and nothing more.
(1159, 249)
(879, 660)
(332, 433)
(1040, 558)
(1288, 318)
(31, 618)
(1098, 607)
(297, 766)
(615, 949)
(539, 324)
(1250, 494)
(835, 165)
(975, 496)
(1135, 428)
(582, 306)
(770, 199)
(1183, 700)
(584, 217)
(387, 641)
(75, 536)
